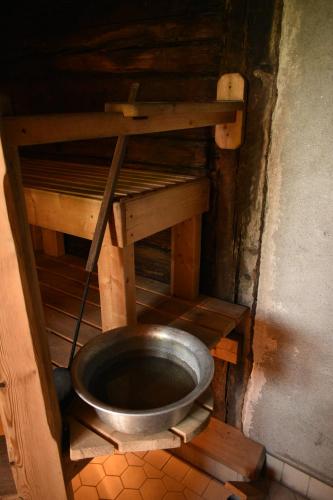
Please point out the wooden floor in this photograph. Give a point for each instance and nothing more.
(61, 282)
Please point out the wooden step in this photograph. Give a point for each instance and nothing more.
(224, 452)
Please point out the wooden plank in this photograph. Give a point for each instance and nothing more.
(53, 242)
(28, 394)
(116, 277)
(141, 109)
(85, 443)
(36, 238)
(154, 212)
(53, 206)
(223, 444)
(133, 220)
(229, 135)
(43, 129)
(209, 327)
(228, 349)
(123, 442)
(185, 258)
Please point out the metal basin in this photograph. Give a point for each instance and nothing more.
(143, 378)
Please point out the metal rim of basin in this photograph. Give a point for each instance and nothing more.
(106, 339)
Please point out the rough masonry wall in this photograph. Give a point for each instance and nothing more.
(289, 402)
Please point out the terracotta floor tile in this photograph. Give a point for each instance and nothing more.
(152, 472)
(115, 465)
(100, 460)
(110, 487)
(130, 495)
(140, 454)
(76, 482)
(133, 459)
(215, 491)
(153, 489)
(172, 495)
(190, 495)
(92, 474)
(172, 485)
(196, 481)
(157, 458)
(86, 493)
(176, 468)
(133, 477)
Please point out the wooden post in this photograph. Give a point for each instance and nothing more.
(185, 258)
(53, 243)
(36, 237)
(28, 405)
(230, 87)
(116, 277)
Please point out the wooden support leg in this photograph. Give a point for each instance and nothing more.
(36, 237)
(28, 406)
(185, 258)
(116, 276)
(53, 243)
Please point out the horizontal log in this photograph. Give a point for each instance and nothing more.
(115, 36)
(70, 93)
(43, 129)
(142, 109)
(146, 149)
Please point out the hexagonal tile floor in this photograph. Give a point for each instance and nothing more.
(154, 475)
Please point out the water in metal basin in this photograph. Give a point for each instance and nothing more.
(142, 383)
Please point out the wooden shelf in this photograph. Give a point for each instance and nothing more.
(61, 282)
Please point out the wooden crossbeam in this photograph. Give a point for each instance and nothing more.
(140, 109)
(44, 129)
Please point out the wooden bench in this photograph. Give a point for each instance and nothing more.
(64, 197)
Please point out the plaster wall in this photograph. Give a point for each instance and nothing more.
(289, 401)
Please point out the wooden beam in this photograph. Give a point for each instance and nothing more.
(230, 135)
(185, 258)
(53, 242)
(140, 109)
(116, 279)
(153, 212)
(228, 349)
(44, 129)
(28, 405)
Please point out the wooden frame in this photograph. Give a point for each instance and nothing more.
(26, 388)
(178, 206)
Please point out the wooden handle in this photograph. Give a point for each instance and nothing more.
(106, 205)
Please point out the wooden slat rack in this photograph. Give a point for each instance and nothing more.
(61, 282)
(65, 197)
